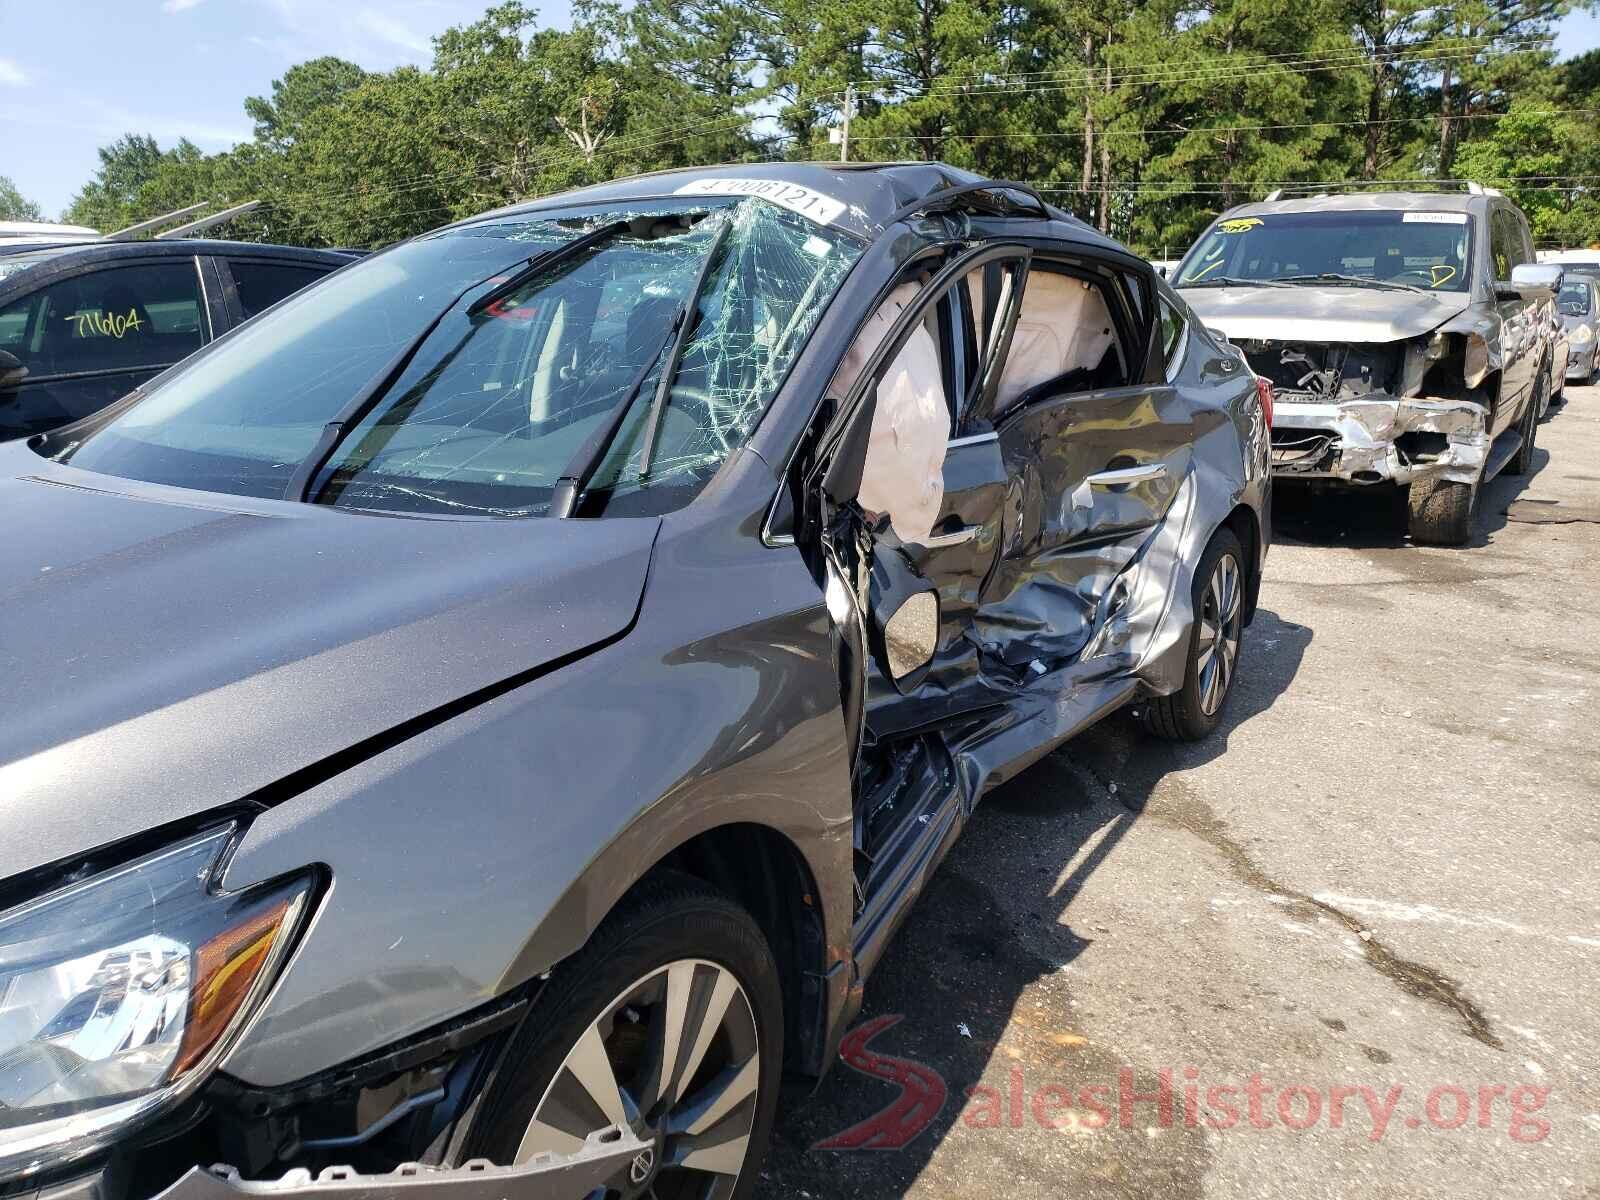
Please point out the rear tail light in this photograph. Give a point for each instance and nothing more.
(1264, 392)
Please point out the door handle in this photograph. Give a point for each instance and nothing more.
(1143, 473)
(938, 541)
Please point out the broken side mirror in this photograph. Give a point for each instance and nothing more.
(903, 619)
(12, 372)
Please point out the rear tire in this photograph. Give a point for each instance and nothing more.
(675, 957)
(1195, 710)
(1441, 512)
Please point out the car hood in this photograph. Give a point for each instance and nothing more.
(1569, 322)
(1307, 312)
(164, 652)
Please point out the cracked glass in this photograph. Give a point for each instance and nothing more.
(498, 401)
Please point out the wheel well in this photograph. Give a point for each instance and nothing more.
(768, 877)
(1242, 520)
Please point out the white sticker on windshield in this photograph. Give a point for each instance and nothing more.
(1434, 218)
(814, 206)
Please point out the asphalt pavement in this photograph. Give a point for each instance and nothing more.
(1350, 946)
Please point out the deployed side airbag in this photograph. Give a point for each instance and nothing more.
(1064, 326)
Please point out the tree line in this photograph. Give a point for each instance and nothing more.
(1144, 117)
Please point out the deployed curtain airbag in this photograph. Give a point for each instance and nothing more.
(1064, 326)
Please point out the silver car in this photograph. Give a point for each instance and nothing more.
(1579, 308)
(1410, 337)
(500, 703)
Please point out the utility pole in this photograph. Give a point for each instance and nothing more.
(849, 107)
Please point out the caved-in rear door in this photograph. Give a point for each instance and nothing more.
(1095, 451)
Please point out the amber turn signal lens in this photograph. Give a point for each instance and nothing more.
(226, 969)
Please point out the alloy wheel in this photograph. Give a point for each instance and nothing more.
(1221, 622)
(675, 1058)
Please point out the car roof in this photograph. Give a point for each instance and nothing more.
(67, 256)
(1466, 202)
(155, 247)
(871, 193)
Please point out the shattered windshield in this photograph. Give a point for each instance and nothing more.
(508, 386)
(1428, 250)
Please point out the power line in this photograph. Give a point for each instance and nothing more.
(1212, 72)
(1223, 67)
(1094, 74)
(1155, 131)
(1203, 186)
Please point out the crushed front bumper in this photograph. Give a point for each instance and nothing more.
(545, 1177)
(1379, 439)
(549, 1176)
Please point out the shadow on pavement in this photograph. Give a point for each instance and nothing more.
(995, 921)
(1374, 518)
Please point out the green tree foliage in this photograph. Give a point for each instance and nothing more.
(1145, 117)
(14, 206)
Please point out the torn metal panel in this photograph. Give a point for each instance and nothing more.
(547, 1176)
(1380, 439)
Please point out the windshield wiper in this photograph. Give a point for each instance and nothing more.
(580, 469)
(300, 483)
(1350, 280)
(1232, 281)
(543, 262)
(686, 325)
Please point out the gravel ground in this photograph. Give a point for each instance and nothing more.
(1373, 899)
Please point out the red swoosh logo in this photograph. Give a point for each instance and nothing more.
(922, 1093)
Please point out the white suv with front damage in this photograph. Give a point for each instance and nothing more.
(1410, 338)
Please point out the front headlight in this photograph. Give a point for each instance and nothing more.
(1582, 336)
(118, 993)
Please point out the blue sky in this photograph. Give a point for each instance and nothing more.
(74, 76)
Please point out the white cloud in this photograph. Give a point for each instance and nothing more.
(376, 36)
(107, 121)
(387, 29)
(11, 74)
(178, 6)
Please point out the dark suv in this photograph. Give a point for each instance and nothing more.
(82, 324)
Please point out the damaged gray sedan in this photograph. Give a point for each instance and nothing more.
(1410, 338)
(471, 732)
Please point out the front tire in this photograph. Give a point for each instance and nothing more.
(1522, 461)
(1441, 512)
(1195, 710)
(670, 1021)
